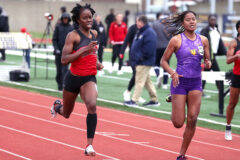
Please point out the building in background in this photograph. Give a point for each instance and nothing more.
(30, 13)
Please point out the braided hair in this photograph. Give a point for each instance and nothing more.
(77, 10)
(174, 23)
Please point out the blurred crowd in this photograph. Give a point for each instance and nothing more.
(114, 32)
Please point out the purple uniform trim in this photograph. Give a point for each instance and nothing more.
(189, 57)
(186, 85)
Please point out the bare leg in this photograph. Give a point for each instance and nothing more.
(89, 95)
(178, 110)
(234, 96)
(69, 99)
(194, 103)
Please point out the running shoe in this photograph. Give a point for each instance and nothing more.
(89, 151)
(206, 96)
(228, 133)
(54, 107)
(127, 95)
(141, 100)
(151, 103)
(120, 72)
(130, 104)
(181, 157)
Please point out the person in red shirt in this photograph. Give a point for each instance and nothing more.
(233, 55)
(117, 34)
(80, 49)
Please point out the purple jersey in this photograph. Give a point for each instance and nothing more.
(189, 57)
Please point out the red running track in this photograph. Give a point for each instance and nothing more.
(28, 132)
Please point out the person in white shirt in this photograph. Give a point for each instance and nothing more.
(216, 46)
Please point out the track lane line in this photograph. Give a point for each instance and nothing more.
(14, 154)
(141, 108)
(108, 136)
(130, 126)
(118, 111)
(52, 140)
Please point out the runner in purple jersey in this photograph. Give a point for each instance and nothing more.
(186, 85)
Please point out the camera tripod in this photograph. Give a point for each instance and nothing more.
(46, 34)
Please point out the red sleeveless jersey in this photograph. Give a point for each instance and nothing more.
(84, 65)
(236, 67)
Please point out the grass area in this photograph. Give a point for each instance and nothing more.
(112, 89)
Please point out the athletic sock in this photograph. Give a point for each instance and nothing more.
(228, 127)
(91, 125)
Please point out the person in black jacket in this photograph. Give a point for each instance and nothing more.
(109, 19)
(59, 36)
(216, 45)
(101, 39)
(4, 27)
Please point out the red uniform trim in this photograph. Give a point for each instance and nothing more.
(84, 65)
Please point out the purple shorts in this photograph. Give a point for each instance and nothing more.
(187, 84)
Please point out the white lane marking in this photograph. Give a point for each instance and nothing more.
(69, 126)
(14, 154)
(130, 126)
(51, 140)
(119, 103)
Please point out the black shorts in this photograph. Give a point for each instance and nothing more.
(235, 81)
(73, 83)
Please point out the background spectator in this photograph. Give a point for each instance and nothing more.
(4, 27)
(132, 30)
(101, 39)
(109, 19)
(27, 51)
(216, 45)
(143, 57)
(162, 41)
(117, 34)
(59, 36)
(125, 18)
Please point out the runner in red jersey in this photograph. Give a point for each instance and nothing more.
(233, 55)
(80, 50)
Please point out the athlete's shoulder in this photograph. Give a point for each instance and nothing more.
(233, 42)
(176, 38)
(73, 36)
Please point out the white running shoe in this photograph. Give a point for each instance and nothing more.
(228, 135)
(89, 151)
(141, 100)
(164, 86)
(110, 70)
(120, 72)
(126, 95)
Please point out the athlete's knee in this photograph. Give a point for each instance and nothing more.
(177, 123)
(91, 106)
(192, 120)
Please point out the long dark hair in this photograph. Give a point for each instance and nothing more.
(77, 10)
(174, 23)
(237, 26)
